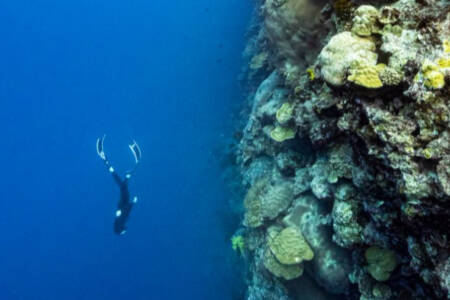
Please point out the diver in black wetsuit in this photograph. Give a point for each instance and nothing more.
(125, 205)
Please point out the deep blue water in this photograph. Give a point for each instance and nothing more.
(161, 72)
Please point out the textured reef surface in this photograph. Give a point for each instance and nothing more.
(344, 154)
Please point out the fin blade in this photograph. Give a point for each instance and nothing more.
(100, 151)
(136, 151)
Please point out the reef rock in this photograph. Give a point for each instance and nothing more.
(345, 149)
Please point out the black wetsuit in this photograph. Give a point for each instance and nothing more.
(125, 205)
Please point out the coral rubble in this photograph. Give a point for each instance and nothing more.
(345, 154)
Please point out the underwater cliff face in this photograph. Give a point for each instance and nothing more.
(345, 155)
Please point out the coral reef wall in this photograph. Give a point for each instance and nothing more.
(345, 152)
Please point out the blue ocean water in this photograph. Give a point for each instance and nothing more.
(161, 72)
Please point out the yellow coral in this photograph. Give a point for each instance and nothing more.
(284, 113)
(310, 72)
(380, 67)
(366, 76)
(433, 77)
(280, 134)
(443, 62)
(446, 45)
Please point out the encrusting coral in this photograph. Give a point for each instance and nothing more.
(345, 154)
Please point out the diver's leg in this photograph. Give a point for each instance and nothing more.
(136, 151)
(115, 176)
(105, 160)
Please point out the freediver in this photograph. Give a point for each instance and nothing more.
(125, 205)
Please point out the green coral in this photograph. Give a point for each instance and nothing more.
(381, 262)
(290, 247)
(284, 113)
(280, 134)
(238, 243)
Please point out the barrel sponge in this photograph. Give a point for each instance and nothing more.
(381, 262)
(342, 51)
(290, 247)
(287, 272)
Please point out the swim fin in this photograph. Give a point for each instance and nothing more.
(136, 151)
(100, 151)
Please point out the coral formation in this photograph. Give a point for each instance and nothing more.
(280, 134)
(345, 154)
(266, 201)
(278, 269)
(290, 247)
(342, 51)
(366, 76)
(238, 244)
(284, 113)
(381, 262)
(365, 20)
